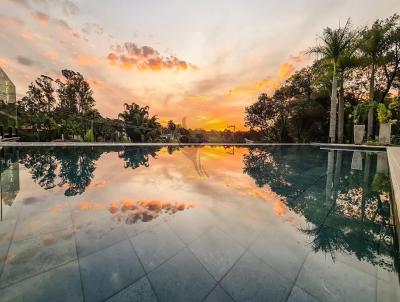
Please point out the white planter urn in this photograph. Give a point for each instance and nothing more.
(357, 161)
(385, 133)
(359, 132)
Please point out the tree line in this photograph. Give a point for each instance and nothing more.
(352, 81)
(65, 109)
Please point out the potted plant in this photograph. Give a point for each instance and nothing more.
(360, 115)
(385, 124)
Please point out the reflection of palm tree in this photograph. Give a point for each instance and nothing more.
(348, 214)
(327, 239)
(136, 157)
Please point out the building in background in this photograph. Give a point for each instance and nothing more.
(9, 179)
(7, 89)
(8, 106)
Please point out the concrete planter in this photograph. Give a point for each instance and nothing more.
(385, 133)
(357, 161)
(382, 164)
(359, 132)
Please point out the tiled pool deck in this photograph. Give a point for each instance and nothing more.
(201, 255)
(196, 260)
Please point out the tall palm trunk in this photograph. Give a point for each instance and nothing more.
(341, 112)
(332, 120)
(370, 129)
(329, 175)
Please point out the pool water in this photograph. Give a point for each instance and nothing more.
(276, 223)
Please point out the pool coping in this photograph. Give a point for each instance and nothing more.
(107, 144)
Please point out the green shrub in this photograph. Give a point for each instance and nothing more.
(384, 114)
(89, 136)
(360, 113)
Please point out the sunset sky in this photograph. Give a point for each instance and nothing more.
(203, 60)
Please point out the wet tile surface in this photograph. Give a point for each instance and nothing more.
(156, 245)
(218, 295)
(109, 270)
(182, 278)
(253, 280)
(196, 224)
(139, 291)
(30, 257)
(96, 235)
(217, 252)
(330, 281)
(299, 295)
(61, 284)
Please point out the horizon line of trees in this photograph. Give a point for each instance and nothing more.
(65, 109)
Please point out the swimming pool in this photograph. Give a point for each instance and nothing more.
(277, 223)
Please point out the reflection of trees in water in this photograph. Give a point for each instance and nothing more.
(72, 167)
(280, 168)
(77, 166)
(138, 156)
(193, 154)
(42, 164)
(349, 209)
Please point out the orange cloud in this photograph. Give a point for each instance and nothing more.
(269, 84)
(74, 34)
(66, 27)
(144, 58)
(41, 18)
(26, 36)
(3, 62)
(297, 59)
(213, 123)
(7, 21)
(84, 60)
(52, 55)
(285, 71)
(98, 84)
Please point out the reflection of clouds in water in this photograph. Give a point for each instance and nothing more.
(264, 194)
(99, 184)
(132, 212)
(89, 206)
(193, 154)
(57, 208)
(280, 208)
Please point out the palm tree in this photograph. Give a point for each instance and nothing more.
(335, 42)
(346, 62)
(139, 126)
(374, 42)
